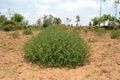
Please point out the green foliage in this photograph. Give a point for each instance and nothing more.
(100, 31)
(9, 27)
(9, 22)
(86, 30)
(45, 25)
(57, 21)
(96, 21)
(27, 32)
(106, 18)
(49, 20)
(1, 27)
(77, 20)
(17, 17)
(115, 34)
(57, 48)
(2, 18)
(15, 34)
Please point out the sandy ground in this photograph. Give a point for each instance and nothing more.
(104, 62)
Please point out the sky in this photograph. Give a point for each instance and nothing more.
(34, 9)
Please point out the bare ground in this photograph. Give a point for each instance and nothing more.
(104, 62)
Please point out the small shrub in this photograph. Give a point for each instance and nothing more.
(92, 40)
(115, 34)
(15, 34)
(86, 30)
(57, 48)
(27, 32)
(99, 31)
(45, 25)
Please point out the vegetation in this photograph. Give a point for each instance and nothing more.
(77, 20)
(10, 25)
(57, 48)
(17, 18)
(15, 34)
(99, 31)
(27, 32)
(115, 34)
(106, 18)
(50, 20)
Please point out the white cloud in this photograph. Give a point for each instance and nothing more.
(45, 1)
(4, 11)
(78, 4)
(42, 7)
(42, 12)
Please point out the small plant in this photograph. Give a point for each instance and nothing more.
(56, 47)
(92, 40)
(99, 31)
(15, 34)
(89, 75)
(86, 30)
(27, 32)
(115, 34)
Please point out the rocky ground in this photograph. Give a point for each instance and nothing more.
(104, 61)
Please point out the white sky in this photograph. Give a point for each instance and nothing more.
(34, 9)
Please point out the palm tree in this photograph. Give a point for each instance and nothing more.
(101, 8)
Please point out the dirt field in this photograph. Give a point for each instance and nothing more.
(104, 62)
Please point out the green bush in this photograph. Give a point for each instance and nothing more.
(45, 25)
(9, 27)
(99, 31)
(1, 27)
(9, 22)
(86, 30)
(27, 32)
(15, 34)
(115, 34)
(57, 48)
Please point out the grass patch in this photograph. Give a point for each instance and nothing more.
(99, 31)
(115, 34)
(15, 34)
(27, 32)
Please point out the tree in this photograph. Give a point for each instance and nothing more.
(2, 18)
(112, 20)
(68, 20)
(10, 13)
(101, 8)
(90, 23)
(39, 22)
(96, 21)
(117, 2)
(57, 21)
(77, 20)
(25, 22)
(17, 17)
(48, 20)
(104, 18)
